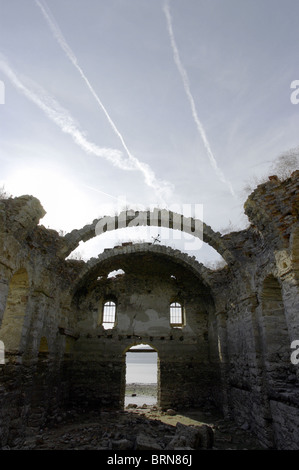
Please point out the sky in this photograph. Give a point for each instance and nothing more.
(109, 104)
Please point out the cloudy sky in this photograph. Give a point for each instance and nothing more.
(123, 102)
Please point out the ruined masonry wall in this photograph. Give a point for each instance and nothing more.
(233, 351)
(187, 374)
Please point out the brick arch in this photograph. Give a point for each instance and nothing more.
(112, 258)
(137, 342)
(155, 217)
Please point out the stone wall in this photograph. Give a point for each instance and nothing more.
(143, 295)
(262, 316)
(233, 349)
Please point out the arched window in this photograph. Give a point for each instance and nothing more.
(109, 314)
(176, 314)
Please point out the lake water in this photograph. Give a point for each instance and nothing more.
(140, 400)
(141, 367)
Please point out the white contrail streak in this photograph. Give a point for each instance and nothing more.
(162, 188)
(186, 85)
(99, 191)
(64, 45)
(61, 117)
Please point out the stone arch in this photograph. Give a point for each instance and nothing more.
(14, 315)
(102, 264)
(139, 342)
(94, 274)
(155, 217)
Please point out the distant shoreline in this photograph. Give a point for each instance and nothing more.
(141, 389)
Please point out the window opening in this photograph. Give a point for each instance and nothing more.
(176, 314)
(109, 312)
(116, 272)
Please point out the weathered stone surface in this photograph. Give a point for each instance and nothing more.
(145, 442)
(232, 350)
(191, 437)
(122, 444)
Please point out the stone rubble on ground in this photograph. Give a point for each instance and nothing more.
(136, 429)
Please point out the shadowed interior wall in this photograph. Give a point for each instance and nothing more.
(143, 295)
(13, 319)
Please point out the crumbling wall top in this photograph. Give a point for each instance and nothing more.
(273, 208)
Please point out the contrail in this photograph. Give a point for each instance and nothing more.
(61, 117)
(163, 188)
(64, 45)
(100, 191)
(120, 200)
(67, 124)
(186, 85)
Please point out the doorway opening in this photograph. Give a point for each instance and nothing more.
(142, 376)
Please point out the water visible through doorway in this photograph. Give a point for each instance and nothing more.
(141, 375)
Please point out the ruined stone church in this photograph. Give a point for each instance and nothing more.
(222, 336)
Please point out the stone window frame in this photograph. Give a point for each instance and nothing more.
(177, 304)
(109, 302)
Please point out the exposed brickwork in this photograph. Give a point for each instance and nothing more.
(234, 348)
